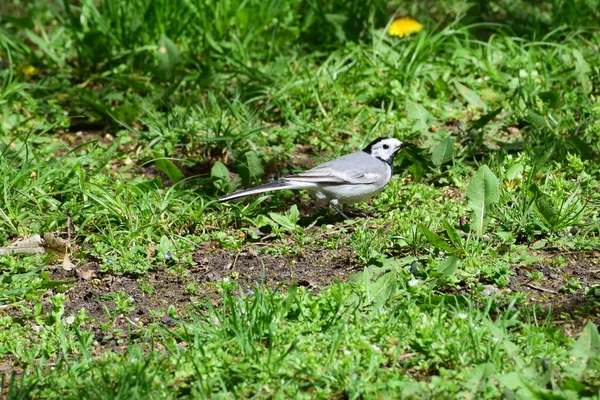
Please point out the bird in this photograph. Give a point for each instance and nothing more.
(349, 179)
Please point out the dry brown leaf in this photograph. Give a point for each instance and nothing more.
(67, 264)
(54, 242)
(86, 274)
(150, 251)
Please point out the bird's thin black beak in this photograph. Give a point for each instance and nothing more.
(405, 144)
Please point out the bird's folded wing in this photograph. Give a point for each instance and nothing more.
(327, 175)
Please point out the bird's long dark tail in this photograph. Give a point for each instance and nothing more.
(269, 187)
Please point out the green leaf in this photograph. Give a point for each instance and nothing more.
(544, 206)
(485, 119)
(435, 239)
(219, 171)
(470, 96)
(106, 156)
(511, 349)
(447, 267)
(479, 375)
(417, 113)
(515, 172)
(417, 171)
(251, 169)
(537, 120)
(582, 147)
(168, 55)
(262, 220)
(294, 214)
(380, 291)
(283, 221)
(512, 380)
(361, 277)
(540, 162)
(585, 348)
(482, 193)
(453, 234)
(169, 169)
(443, 152)
(551, 97)
(583, 69)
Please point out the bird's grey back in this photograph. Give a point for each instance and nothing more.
(357, 164)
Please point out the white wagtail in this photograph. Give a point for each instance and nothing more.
(348, 179)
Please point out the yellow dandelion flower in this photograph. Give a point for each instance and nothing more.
(29, 70)
(404, 26)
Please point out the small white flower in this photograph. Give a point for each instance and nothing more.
(70, 320)
(376, 348)
(413, 282)
(462, 315)
(495, 339)
(347, 352)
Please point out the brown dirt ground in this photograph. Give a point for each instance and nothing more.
(571, 309)
(314, 269)
(182, 290)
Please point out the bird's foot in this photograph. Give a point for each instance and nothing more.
(334, 204)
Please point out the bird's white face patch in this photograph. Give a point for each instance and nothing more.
(385, 149)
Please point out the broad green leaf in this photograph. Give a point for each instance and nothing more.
(537, 120)
(479, 375)
(251, 169)
(511, 349)
(583, 69)
(262, 220)
(220, 171)
(512, 380)
(482, 193)
(485, 119)
(470, 96)
(294, 214)
(543, 204)
(417, 113)
(417, 171)
(170, 169)
(453, 234)
(582, 147)
(585, 348)
(283, 221)
(361, 277)
(443, 152)
(380, 291)
(169, 56)
(435, 239)
(447, 267)
(551, 97)
(515, 172)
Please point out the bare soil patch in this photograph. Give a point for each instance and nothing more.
(554, 292)
(160, 289)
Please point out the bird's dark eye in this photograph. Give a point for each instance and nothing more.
(386, 146)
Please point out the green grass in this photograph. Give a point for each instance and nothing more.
(122, 122)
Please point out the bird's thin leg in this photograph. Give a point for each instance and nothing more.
(334, 204)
